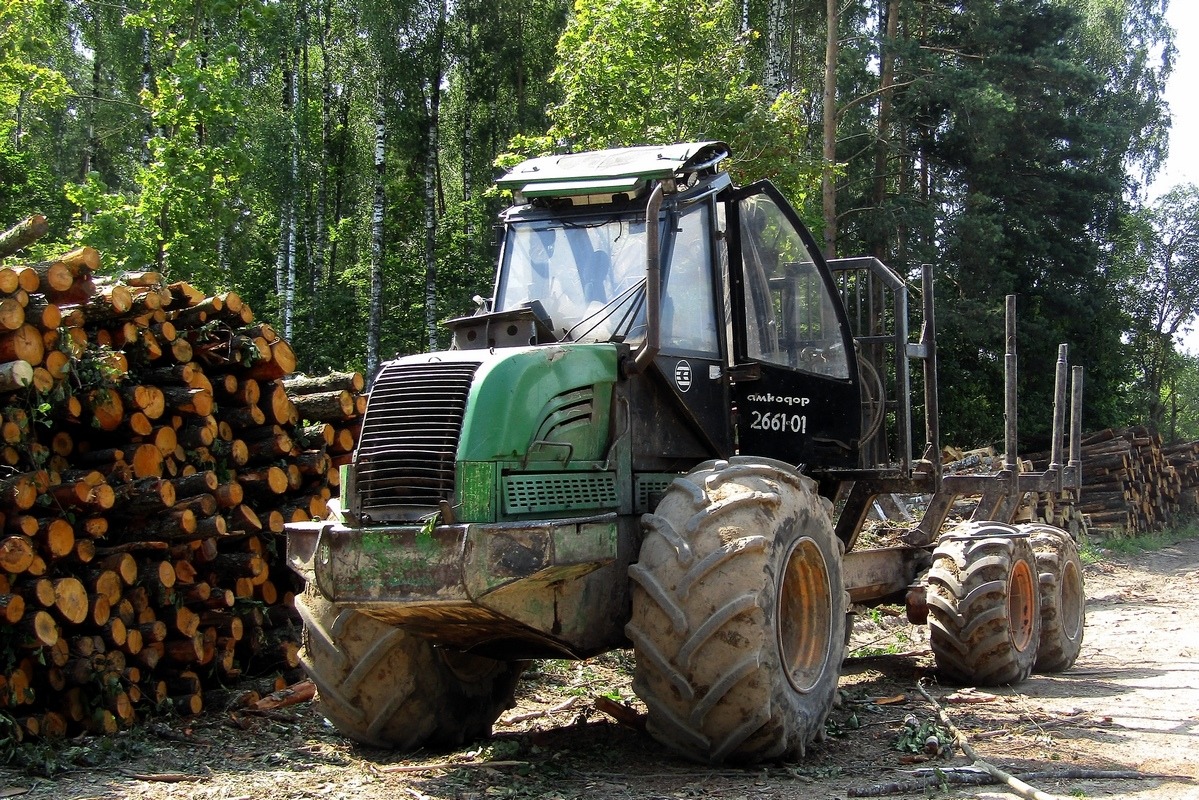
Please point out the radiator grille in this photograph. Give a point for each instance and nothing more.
(409, 439)
(538, 494)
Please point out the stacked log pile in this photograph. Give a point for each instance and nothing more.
(150, 453)
(1184, 458)
(1132, 484)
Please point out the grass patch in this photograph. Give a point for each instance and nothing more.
(1094, 550)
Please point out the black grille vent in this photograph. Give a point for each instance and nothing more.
(409, 437)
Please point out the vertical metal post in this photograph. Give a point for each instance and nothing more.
(1009, 386)
(1059, 413)
(932, 402)
(1076, 427)
(903, 382)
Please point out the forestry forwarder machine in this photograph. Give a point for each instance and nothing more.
(665, 430)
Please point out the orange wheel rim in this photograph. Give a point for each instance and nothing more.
(804, 615)
(1021, 604)
(1072, 601)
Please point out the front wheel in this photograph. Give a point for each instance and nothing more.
(984, 605)
(738, 617)
(383, 687)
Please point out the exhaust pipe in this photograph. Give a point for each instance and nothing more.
(653, 285)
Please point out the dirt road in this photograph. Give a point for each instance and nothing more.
(1130, 703)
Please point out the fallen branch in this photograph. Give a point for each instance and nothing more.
(621, 713)
(545, 712)
(163, 777)
(969, 776)
(170, 735)
(296, 693)
(1033, 725)
(1011, 781)
(448, 765)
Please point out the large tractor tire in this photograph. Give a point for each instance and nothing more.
(386, 688)
(1063, 598)
(984, 605)
(738, 613)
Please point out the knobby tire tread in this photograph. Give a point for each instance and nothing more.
(701, 627)
(968, 586)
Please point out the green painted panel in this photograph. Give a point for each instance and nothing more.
(589, 542)
(476, 491)
(527, 393)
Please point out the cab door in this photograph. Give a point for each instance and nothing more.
(793, 365)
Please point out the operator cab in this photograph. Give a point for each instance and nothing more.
(726, 306)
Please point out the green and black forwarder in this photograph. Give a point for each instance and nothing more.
(639, 441)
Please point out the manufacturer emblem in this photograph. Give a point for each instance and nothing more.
(682, 376)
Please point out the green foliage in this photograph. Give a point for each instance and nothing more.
(922, 736)
(638, 72)
(240, 155)
(1158, 250)
(1029, 148)
(1093, 551)
(47, 758)
(176, 205)
(27, 31)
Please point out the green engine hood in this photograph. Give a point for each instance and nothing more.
(540, 404)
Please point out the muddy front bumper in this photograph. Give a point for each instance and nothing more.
(509, 590)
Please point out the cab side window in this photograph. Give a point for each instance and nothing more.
(790, 317)
(688, 308)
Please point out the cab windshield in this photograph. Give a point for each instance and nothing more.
(589, 275)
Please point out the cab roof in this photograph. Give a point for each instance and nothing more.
(604, 173)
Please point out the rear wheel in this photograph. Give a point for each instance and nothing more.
(738, 618)
(1063, 598)
(984, 605)
(386, 688)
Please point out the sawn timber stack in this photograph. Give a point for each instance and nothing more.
(150, 450)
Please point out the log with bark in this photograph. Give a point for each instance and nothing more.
(146, 489)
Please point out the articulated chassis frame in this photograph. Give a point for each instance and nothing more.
(1001, 493)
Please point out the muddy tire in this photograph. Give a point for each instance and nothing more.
(984, 605)
(386, 688)
(738, 613)
(1063, 598)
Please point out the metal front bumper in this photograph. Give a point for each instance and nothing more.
(559, 583)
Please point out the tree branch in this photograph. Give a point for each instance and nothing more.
(112, 100)
(1015, 784)
(871, 95)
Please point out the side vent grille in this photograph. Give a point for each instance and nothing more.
(649, 490)
(409, 437)
(561, 491)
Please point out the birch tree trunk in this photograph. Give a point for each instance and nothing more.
(147, 129)
(318, 257)
(882, 145)
(375, 315)
(828, 186)
(293, 190)
(89, 146)
(283, 266)
(774, 79)
(431, 187)
(304, 224)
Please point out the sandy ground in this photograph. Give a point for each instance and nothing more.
(1131, 703)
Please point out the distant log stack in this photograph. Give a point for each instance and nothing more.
(151, 450)
(1132, 484)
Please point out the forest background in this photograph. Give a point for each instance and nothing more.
(333, 162)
